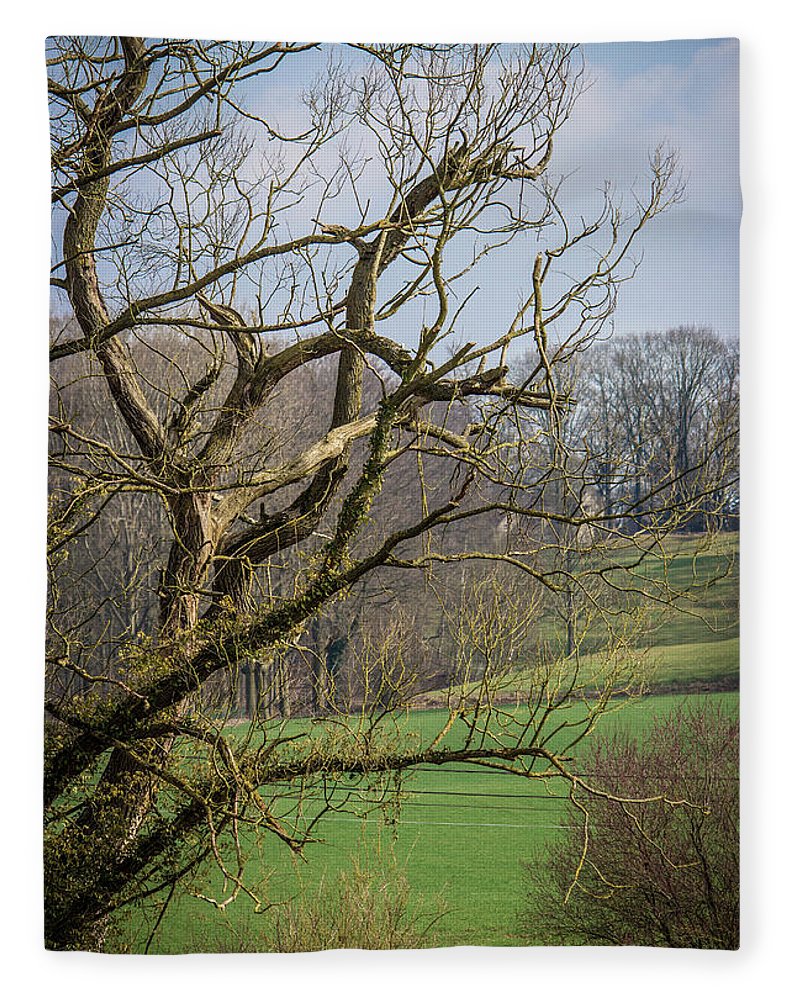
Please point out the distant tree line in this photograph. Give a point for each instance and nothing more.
(656, 414)
(662, 410)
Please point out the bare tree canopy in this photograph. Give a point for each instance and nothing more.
(270, 391)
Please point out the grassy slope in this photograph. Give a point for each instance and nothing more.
(713, 577)
(699, 647)
(693, 647)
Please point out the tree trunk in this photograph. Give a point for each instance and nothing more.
(117, 810)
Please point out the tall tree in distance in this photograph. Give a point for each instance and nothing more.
(660, 414)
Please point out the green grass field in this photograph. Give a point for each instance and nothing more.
(460, 834)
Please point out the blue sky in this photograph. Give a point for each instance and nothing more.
(685, 93)
(682, 93)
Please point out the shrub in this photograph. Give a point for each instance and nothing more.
(365, 908)
(661, 869)
(368, 906)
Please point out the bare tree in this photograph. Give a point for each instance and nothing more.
(660, 413)
(272, 310)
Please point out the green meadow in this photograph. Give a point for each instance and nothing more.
(460, 835)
